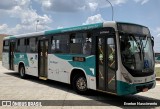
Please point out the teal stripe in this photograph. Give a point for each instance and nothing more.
(89, 62)
(21, 57)
(78, 28)
(10, 37)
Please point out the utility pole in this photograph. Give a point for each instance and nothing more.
(112, 8)
(37, 21)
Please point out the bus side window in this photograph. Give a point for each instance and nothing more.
(76, 43)
(81, 43)
(60, 44)
(21, 45)
(5, 46)
(87, 44)
(31, 45)
(27, 45)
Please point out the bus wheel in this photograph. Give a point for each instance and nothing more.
(80, 84)
(22, 71)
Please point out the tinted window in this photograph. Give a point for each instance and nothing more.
(31, 45)
(21, 45)
(81, 43)
(87, 44)
(5, 46)
(76, 43)
(60, 44)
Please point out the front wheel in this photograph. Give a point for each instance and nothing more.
(22, 72)
(80, 84)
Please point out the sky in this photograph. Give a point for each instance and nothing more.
(24, 16)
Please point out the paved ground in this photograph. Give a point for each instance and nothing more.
(14, 88)
(157, 65)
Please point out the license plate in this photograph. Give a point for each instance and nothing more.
(145, 89)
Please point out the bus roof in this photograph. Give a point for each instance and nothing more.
(62, 30)
(77, 28)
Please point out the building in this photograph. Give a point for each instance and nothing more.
(1, 43)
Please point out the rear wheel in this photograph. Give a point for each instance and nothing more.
(79, 83)
(22, 71)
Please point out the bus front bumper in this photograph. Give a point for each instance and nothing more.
(124, 88)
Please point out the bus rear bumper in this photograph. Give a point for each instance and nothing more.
(124, 88)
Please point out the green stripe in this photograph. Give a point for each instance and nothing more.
(89, 62)
(21, 57)
(10, 37)
(78, 28)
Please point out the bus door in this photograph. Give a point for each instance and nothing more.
(106, 74)
(43, 59)
(11, 55)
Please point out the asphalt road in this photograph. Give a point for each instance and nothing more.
(12, 87)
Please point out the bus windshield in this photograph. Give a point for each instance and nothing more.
(137, 52)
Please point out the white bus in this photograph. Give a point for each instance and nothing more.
(112, 57)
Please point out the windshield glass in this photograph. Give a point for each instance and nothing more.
(137, 52)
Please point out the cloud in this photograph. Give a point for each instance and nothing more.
(27, 17)
(8, 5)
(93, 6)
(63, 5)
(3, 27)
(141, 1)
(76, 5)
(59, 27)
(158, 31)
(94, 19)
(5, 5)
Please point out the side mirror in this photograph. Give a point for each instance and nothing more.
(152, 41)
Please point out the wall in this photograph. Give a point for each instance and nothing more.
(1, 43)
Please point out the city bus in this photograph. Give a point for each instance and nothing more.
(112, 57)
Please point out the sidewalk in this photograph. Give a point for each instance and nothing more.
(157, 65)
(157, 82)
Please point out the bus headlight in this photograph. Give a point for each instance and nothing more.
(127, 78)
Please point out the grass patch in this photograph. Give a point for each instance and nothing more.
(158, 71)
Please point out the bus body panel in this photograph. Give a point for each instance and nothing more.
(32, 69)
(58, 69)
(16, 67)
(62, 74)
(21, 57)
(30, 62)
(5, 60)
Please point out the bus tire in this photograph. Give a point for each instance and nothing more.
(79, 84)
(22, 72)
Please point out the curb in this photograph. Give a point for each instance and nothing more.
(158, 78)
